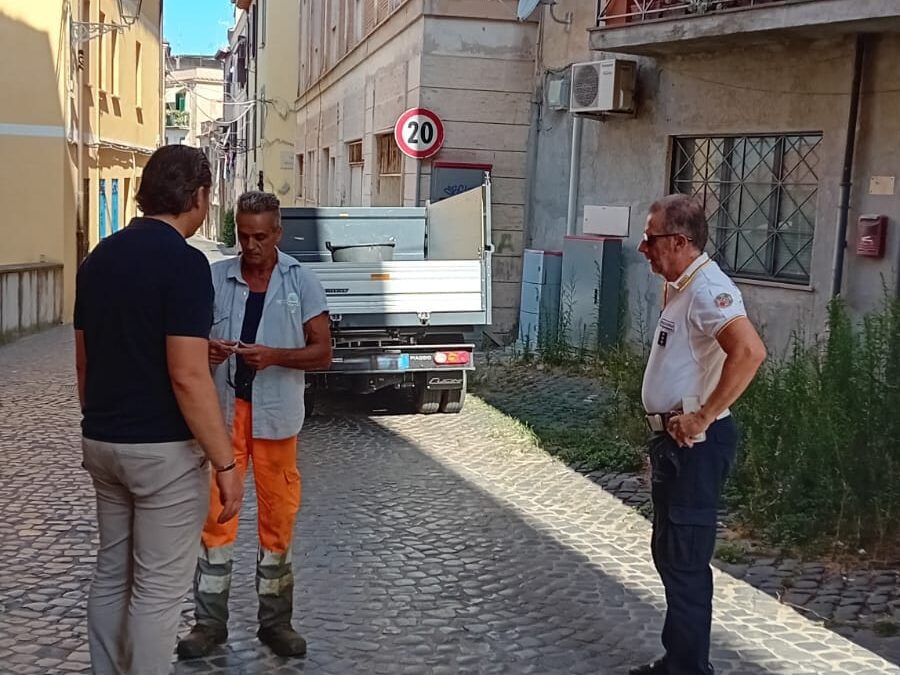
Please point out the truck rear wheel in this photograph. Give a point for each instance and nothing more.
(427, 401)
(453, 400)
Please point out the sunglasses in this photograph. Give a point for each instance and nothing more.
(650, 238)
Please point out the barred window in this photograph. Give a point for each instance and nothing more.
(760, 198)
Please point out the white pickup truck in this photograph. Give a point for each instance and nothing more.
(404, 286)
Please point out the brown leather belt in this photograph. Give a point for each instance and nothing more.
(657, 421)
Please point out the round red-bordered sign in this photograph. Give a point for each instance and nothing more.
(419, 133)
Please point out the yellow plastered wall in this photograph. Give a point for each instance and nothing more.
(118, 116)
(123, 78)
(37, 180)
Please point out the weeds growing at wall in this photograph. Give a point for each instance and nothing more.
(614, 439)
(820, 462)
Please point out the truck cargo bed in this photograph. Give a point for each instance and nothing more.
(440, 274)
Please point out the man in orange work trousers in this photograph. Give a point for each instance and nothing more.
(270, 324)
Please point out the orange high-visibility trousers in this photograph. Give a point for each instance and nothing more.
(277, 487)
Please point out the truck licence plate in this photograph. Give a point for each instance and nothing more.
(392, 361)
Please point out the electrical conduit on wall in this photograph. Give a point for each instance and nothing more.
(574, 173)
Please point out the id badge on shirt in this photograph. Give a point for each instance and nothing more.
(666, 330)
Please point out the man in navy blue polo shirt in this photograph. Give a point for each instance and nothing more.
(152, 423)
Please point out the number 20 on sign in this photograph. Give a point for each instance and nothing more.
(419, 133)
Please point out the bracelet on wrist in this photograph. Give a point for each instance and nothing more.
(227, 467)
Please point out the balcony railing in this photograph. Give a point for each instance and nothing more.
(622, 12)
(180, 119)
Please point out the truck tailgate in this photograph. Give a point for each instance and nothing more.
(412, 287)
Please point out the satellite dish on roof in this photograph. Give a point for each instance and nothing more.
(526, 7)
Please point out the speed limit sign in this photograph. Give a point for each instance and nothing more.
(419, 133)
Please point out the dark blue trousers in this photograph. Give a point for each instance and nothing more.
(687, 484)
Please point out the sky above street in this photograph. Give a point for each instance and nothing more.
(197, 26)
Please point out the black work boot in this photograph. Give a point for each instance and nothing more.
(275, 588)
(202, 639)
(282, 639)
(212, 583)
(655, 668)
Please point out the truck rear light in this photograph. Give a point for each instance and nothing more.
(451, 358)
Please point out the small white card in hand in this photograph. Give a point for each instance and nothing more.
(690, 404)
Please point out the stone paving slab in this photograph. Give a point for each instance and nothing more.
(432, 545)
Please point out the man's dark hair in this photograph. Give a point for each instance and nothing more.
(259, 202)
(172, 176)
(684, 215)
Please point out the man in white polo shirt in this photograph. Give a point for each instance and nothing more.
(705, 353)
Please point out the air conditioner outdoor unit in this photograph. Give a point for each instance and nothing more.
(604, 87)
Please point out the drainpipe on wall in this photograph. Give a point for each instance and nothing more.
(847, 175)
(574, 173)
(82, 236)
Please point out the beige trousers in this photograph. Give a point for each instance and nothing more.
(152, 501)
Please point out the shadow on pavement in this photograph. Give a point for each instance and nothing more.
(402, 566)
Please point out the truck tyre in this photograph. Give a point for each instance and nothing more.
(428, 401)
(453, 400)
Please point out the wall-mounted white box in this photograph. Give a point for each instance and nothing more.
(606, 221)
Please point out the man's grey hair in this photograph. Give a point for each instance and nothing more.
(685, 215)
(259, 202)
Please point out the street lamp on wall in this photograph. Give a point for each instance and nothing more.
(84, 31)
(130, 11)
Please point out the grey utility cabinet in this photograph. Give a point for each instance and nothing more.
(591, 289)
(539, 307)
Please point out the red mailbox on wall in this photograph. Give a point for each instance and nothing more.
(870, 236)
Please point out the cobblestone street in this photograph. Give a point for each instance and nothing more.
(425, 545)
(858, 598)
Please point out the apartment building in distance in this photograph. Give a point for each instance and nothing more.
(261, 68)
(194, 88)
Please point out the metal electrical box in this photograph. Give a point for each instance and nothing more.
(606, 221)
(558, 93)
(590, 293)
(539, 307)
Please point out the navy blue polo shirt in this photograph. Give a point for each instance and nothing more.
(137, 287)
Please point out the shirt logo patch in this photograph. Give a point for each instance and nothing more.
(724, 300)
(663, 338)
(292, 302)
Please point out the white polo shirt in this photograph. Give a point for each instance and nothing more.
(685, 359)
